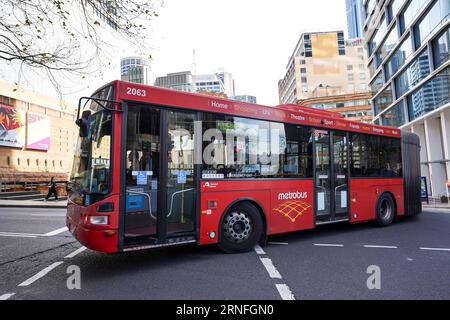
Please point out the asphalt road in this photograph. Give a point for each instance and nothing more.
(331, 262)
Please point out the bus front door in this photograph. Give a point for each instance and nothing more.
(143, 145)
(331, 175)
(160, 189)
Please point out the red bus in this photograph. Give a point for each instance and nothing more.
(156, 167)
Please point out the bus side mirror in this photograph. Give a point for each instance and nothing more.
(83, 123)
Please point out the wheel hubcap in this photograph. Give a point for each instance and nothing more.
(385, 209)
(237, 226)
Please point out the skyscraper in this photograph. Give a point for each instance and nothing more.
(355, 18)
(408, 45)
(135, 69)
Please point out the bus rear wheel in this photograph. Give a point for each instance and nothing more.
(240, 229)
(385, 210)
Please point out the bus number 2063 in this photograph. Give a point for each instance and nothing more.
(136, 92)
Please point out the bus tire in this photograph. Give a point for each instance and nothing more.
(241, 228)
(385, 210)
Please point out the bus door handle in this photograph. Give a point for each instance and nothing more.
(149, 201)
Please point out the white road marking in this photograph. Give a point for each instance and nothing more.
(6, 296)
(17, 235)
(283, 289)
(273, 272)
(380, 247)
(285, 292)
(55, 232)
(259, 250)
(47, 215)
(73, 254)
(40, 274)
(279, 243)
(328, 245)
(436, 249)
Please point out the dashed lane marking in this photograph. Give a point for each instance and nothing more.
(436, 249)
(259, 250)
(283, 289)
(55, 232)
(328, 245)
(18, 235)
(285, 292)
(40, 274)
(273, 272)
(6, 296)
(278, 243)
(380, 247)
(73, 254)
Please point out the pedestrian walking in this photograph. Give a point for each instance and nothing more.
(52, 190)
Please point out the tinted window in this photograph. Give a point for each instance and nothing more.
(383, 100)
(430, 96)
(441, 51)
(375, 156)
(398, 58)
(395, 116)
(416, 71)
(236, 147)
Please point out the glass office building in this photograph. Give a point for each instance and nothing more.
(408, 47)
(135, 69)
(354, 18)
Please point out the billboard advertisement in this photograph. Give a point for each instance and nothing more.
(38, 132)
(12, 127)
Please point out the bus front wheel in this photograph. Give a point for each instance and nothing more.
(385, 210)
(240, 229)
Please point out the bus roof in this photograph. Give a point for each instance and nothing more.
(128, 91)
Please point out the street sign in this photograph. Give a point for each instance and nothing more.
(424, 189)
(181, 177)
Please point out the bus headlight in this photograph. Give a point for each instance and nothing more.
(98, 220)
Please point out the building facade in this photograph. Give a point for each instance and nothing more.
(216, 82)
(37, 136)
(135, 69)
(354, 106)
(355, 18)
(324, 64)
(408, 46)
(181, 81)
(245, 98)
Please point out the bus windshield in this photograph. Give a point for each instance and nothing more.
(91, 166)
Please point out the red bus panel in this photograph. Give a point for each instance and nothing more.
(365, 193)
(287, 205)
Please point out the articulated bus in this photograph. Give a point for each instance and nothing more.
(156, 167)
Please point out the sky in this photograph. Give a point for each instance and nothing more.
(252, 39)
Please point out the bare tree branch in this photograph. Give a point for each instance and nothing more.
(52, 34)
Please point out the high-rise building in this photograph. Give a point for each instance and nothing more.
(181, 81)
(244, 98)
(135, 69)
(216, 82)
(220, 82)
(324, 64)
(408, 45)
(355, 18)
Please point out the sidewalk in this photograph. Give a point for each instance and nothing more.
(33, 203)
(440, 206)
